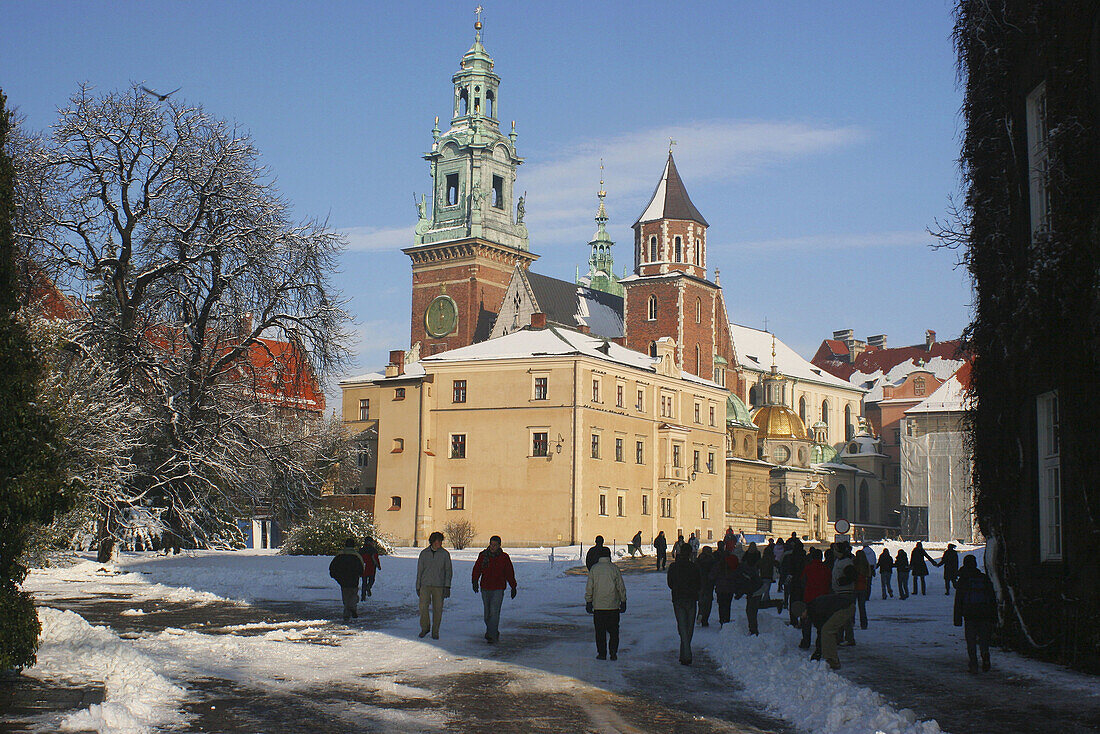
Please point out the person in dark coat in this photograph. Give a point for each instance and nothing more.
(755, 587)
(676, 546)
(886, 571)
(975, 611)
(918, 566)
(705, 562)
(492, 572)
(346, 568)
(901, 567)
(752, 553)
(660, 546)
(593, 553)
(950, 563)
(791, 567)
(636, 545)
(684, 580)
(829, 613)
(767, 571)
(371, 565)
(723, 575)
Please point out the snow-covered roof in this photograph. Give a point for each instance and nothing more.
(873, 382)
(948, 398)
(754, 350)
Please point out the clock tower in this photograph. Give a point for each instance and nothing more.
(470, 236)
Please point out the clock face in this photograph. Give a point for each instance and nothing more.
(441, 317)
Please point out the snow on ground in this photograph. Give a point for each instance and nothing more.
(144, 675)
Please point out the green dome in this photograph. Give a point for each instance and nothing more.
(737, 413)
(822, 453)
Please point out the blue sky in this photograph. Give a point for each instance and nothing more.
(819, 139)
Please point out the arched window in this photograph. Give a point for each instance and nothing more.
(490, 103)
(651, 309)
(698, 365)
(748, 448)
(864, 502)
(698, 310)
(477, 100)
(695, 250)
(653, 349)
(679, 250)
(840, 512)
(802, 409)
(754, 395)
(849, 429)
(463, 101)
(653, 249)
(825, 412)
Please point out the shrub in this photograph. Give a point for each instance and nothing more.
(460, 532)
(19, 629)
(326, 529)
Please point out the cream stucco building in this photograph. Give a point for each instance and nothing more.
(545, 436)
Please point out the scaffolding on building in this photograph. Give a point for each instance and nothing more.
(937, 496)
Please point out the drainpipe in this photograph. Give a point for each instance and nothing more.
(419, 460)
(573, 461)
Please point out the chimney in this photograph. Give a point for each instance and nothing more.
(843, 335)
(584, 328)
(396, 367)
(887, 392)
(877, 341)
(929, 339)
(538, 320)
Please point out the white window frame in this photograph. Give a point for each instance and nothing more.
(1050, 478)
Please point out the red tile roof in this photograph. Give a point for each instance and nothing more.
(874, 359)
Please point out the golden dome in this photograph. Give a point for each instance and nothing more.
(779, 421)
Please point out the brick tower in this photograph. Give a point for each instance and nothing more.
(467, 246)
(669, 293)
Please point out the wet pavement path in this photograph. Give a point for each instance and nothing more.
(502, 690)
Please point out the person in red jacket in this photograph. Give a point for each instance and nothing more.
(371, 565)
(816, 581)
(494, 571)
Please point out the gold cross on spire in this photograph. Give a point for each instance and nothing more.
(671, 143)
(478, 10)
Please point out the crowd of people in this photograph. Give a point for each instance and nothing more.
(823, 590)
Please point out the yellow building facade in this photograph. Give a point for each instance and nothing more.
(544, 437)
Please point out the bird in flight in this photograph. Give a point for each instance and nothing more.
(160, 97)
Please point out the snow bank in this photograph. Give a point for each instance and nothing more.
(805, 692)
(138, 698)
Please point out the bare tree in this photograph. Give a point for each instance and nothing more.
(460, 532)
(215, 308)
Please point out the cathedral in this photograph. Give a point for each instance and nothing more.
(649, 369)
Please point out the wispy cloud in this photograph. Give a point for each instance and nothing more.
(837, 241)
(363, 239)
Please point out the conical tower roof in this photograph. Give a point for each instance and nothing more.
(670, 199)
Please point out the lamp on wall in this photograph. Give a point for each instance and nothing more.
(557, 448)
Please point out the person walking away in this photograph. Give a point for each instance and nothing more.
(753, 589)
(723, 575)
(660, 547)
(706, 562)
(605, 600)
(844, 582)
(433, 583)
(864, 570)
(816, 579)
(494, 571)
(684, 580)
(729, 538)
(636, 545)
(694, 543)
(794, 561)
(918, 567)
(779, 550)
(676, 546)
(975, 610)
(869, 552)
(593, 553)
(752, 555)
(950, 563)
(371, 565)
(346, 568)
(885, 571)
(767, 571)
(901, 568)
(830, 613)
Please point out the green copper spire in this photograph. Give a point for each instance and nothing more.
(601, 264)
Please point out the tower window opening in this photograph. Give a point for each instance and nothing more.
(653, 249)
(498, 192)
(652, 310)
(653, 349)
(679, 250)
(698, 310)
(490, 103)
(452, 189)
(463, 102)
(477, 100)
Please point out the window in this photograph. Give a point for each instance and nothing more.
(679, 250)
(1050, 478)
(619, 389)
(712, 415)
(459, 393)
(595, 445)
(458, 498)
(541, 388)
(705, 510)
(676, 455)
(849, 429)
(710, 462)
(698, 413)
(802, 409)
(841, 500)
(825, 412)
(364, 410)
(595, 390)
(452, 187)
(695, 461)
(698, 309)
(399, 393)
(666, 507)
(918, 386)
(653, 249)
(667, 406)
(395, 503)
(653, 349)
(651, 309)
(490, 103)
(1038, 160)
(640, 405)
(619, 449)
(498, 192)
(398, 446)
(645, 504)
(897, 436)
(458, 445)
(864, 502)
(639, 452)
(603, 504)
(362, 457)
(620, 508)
(540, 444)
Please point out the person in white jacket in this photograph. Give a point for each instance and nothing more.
(605, 600)
(433, 582)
